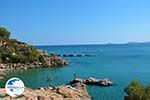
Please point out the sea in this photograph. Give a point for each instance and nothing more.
(120, 63)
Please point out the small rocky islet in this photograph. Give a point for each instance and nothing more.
(92, 81)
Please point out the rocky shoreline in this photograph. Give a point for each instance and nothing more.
(75, 91)
(46, 60)
(17, 55)
(53, 61)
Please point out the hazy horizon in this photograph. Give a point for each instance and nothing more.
(121, 43)
(68, 22)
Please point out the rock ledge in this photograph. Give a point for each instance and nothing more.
(75, 91)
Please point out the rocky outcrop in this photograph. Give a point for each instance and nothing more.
(14, 53)
(45, 60)
(93, 81)
(18, 55)
(75, 91)
(51, 60)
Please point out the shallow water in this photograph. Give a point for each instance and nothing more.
(120, 63)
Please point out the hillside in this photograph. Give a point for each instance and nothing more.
(19, 55)
(13, 51)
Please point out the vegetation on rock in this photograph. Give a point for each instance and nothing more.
(19, 55)
(137, 91)
(13, 51)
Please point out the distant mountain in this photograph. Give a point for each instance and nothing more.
(138, 43)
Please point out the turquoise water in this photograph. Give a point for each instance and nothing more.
(120, 63)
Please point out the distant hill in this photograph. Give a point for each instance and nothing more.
(138, 43)
(134, 43)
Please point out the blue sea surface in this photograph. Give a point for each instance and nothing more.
(121, 63)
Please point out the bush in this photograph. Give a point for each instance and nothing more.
(137, 91)
(17, 58)
(4, 33)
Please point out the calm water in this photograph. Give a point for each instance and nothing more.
(120, 63)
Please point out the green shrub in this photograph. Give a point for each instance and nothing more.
(4, 33)
(137, 91)
(15, 58)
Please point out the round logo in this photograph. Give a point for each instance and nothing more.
(14, 87)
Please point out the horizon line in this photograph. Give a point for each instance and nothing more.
(109, 43)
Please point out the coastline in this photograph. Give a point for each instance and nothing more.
(75, 91)
(47, 60)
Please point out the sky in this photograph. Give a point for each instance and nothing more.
(62, 22)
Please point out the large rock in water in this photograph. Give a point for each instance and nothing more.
(93, 81)
(51, 60)
(66, 92)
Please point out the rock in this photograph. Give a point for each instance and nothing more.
(52, 60)
(65, 92)
(92, 81)
(42, 52)
(58, 55)
(1, 77)
(76, 80)
(88, 55)
(41, 98)
(79, 55)
(67, 55)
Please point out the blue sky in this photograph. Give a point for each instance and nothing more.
(51, 22)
